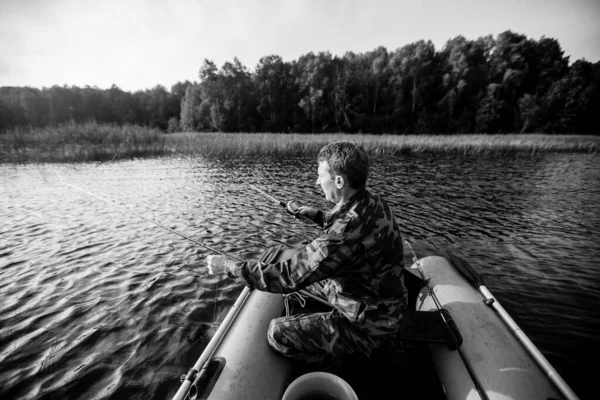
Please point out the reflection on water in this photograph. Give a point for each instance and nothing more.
(97, 302)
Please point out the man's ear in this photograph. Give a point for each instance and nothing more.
(339, 181)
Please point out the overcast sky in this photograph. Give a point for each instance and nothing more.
(141, 43)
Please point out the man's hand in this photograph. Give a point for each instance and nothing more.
(307, 213)
(217, 265)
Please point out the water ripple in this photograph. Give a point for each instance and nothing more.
(99, 303)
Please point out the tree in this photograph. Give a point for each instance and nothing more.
(340, 99)
(494, 113)
(464, 69)
(415, 81)
(275, 89)
(509, 83)
(173, 124)
(572, 102)
(211, 92)
(315, 80)
(190, 109)
(34, 105)
(11, 115)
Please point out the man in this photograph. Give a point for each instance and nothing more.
(355, 265)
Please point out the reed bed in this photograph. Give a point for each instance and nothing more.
(238, 144)
(80, 142)
(96, 142)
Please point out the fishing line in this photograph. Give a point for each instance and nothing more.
(186, 237)
(295, 214)
(154, 222)
(214, 323)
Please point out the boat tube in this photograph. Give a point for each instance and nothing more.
(491, 362)
(501, 364)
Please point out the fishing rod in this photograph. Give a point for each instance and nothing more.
(154, 222)
(291, 206)
(192, 375)
(447, 324)
(304, 292)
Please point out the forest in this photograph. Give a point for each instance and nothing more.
(503, 84)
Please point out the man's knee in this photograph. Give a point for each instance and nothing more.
(275, 334)
(271, 334)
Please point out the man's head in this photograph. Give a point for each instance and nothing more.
(343, 169)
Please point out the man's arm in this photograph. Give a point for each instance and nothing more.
(312, 214)
(319, 260)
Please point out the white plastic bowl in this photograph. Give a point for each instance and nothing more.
(319, 383)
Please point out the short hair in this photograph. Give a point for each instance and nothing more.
(348, 159)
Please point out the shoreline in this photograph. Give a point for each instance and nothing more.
(94, 142)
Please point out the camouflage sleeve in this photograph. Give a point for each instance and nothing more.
(320, 218)
(319, 260)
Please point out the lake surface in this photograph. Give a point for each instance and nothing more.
(97, 302)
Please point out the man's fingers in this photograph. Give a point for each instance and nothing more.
(209, 261)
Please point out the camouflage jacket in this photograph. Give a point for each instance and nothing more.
(356, 264)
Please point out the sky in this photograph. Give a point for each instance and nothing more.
(138, 44)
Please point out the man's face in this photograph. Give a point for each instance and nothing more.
(326, 180)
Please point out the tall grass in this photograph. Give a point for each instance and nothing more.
(80, 142)
(95, 142)
(238, 144)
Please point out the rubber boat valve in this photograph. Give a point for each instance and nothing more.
(207, 377)
(191, 375)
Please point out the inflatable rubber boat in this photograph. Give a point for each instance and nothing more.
(480, 353)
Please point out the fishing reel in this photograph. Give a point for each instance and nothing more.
(292, 208)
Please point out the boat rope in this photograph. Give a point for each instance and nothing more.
(293, 295)
(466, 361)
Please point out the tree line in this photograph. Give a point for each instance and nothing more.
(509, 83)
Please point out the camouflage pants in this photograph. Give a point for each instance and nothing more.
(315, 333)
(315, 337)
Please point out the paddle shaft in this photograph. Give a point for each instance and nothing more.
(477, 281)
(543, 363)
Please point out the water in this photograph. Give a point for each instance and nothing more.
(99, 303)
